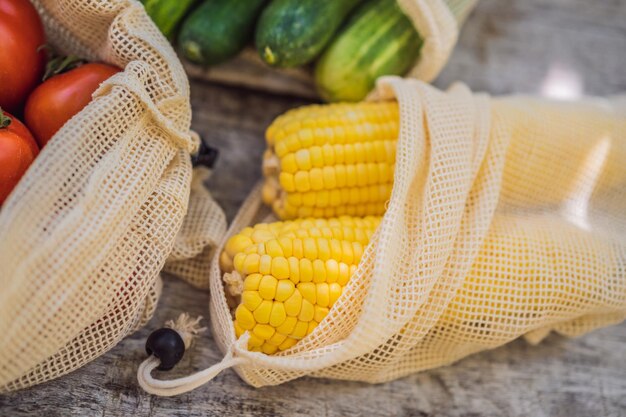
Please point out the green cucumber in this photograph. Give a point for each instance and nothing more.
(293, 32)
(218, 30)
(167, 14)
(377, 40)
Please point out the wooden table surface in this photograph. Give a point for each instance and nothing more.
(555, 47)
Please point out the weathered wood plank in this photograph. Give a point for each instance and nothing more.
(505, 47)
(248, 71)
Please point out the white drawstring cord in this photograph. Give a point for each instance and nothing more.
(169, 388)
(178, 386)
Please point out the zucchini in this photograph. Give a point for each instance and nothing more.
(377, 40)
(167, 14)
(293, 32)
(218, 30)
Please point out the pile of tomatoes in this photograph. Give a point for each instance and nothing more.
(44, 106)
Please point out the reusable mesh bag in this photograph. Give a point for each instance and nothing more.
(507, 218)
(438, 23)
(87, 230)
(201, 232)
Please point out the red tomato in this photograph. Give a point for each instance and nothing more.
(17, 151)
(59, 98)
(21, 65)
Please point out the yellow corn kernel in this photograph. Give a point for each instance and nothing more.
(294, 269)
(260, 235)
(317, 157)
(332, 271)
(245, 318)
(284, 289)
(351, 175)
(226, 262)
(273, 248)
(301, 180)
(287, 181)
(280, 267)
(323, 199)
(308, 291)
(289, 164)
(238, 330)
(323, 249)
(267, 287)
(252, 249)
(278, 314)
(269, 349)
(281, 149)
(329, 180)
(265, 264)
(357, 249)
(246, 231)
(328, 154)
(277, 339)
(344, 274)
(302, 233)
(311, 326)
(320, 313)
(288, 325)
(347, 252)
(298, 250)
(238, 261)
(289, 342)
(255, 341)
(335, 248)
(334, 292)
(306, 138)
(307, 311)
(341, 176)
(262, 312)
(293, 304)
(303, 159)
(286, 246)
(263, 331)
(306, 270)
(251, 283)
(300, 329)
(323, 294)
(251, 299)
(316, 179)
(310, 248)
(319, 271)
(251, 264)
(237, 243)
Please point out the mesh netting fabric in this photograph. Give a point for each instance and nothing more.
(202, 229)
(438, 23)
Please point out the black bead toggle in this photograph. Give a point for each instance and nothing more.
(207, 155)
(167, 345)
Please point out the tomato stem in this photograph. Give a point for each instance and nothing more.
(5, 121)
(61, 64)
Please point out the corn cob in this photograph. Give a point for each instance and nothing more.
(338, 159)
(293, 272)
(331, 160)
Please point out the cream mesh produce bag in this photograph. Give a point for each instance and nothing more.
(87, 230)
(438, 23)
(507, 218)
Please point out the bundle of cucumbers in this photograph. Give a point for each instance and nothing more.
(350, 42)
